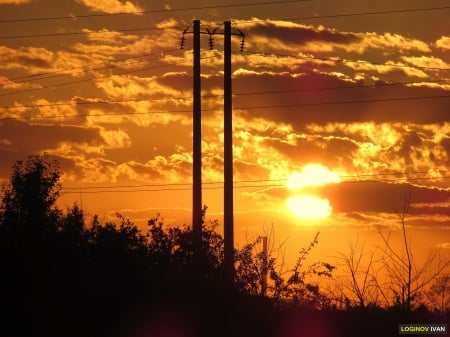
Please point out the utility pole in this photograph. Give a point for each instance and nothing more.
(228, 207)
(228, 210)
(264, 267)
(196, 144)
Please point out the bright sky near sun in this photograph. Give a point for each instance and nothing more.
(340, 110)
(307, 205)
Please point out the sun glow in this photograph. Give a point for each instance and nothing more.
(309, 206)
(312, 175)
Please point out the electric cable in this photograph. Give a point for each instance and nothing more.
(237, 94)
(63, 72)
(167, 10)
(77, 188)
(410, 10)
(242, 108)
(250, 186)
(255, 53)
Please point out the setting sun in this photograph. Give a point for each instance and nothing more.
(312, 175)
(309, 206)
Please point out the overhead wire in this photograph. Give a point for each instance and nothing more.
(164, 54)
(316, 58)
(108, 64)
(373, 100)
(344, 15)
(242, 108)
(398, 173)
(369, 86)
(96, 78)
(236, 184)
(268, 183)
(408, 10)
(254, 53)
(154, 11)
(251, 93)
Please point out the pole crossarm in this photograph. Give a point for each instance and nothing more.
(215, 31)
(206, 31)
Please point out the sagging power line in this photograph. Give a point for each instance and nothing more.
(255, 183)
(236, 94)
(240, 108)
(315, 17)
(166, 10)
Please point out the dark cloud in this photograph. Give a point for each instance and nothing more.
(178, 81)
(299, 101)
(32, 138)
(298, 35)
(24, 139)
(382, 197)
(410, 139)
(247, 171)
(147, 142)
(445, 143)
(371, 197)
(333, 151)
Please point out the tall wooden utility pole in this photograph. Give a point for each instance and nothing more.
(197, 147)
(228, 207)
(196, 144)
(228, 216)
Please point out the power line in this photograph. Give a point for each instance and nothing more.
(63, 72)
(251, 186)
(73, 17)
(254, 53)
(348, 61)
(241, 21)
(86, 33)
(343, 15)
(379, 100)
(105, 114)
(75, 188)
(250, 183)
(95, 78)
(253, 93)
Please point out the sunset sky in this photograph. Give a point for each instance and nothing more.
(356, 92)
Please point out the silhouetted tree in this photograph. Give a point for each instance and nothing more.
(28, 228)
(28, 210)
(439, 295)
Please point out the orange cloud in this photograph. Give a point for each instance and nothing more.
(443, 43)
(109, 43)
(111, 6)
(33, 59)
(14, 2)
(6, 83)
(389, 42)
(427, 62)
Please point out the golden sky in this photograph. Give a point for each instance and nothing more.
(361, 91)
